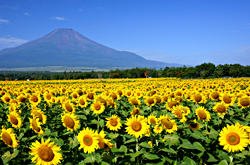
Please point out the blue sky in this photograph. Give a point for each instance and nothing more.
(188, 32)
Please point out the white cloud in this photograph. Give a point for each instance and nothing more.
(243, 49)
(27, 14)
(4, 21)
(59, 18)
(11, 42)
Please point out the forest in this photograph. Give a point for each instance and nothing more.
(205, 70)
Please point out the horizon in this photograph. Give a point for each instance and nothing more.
(183, 32)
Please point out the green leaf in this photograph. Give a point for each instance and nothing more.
(98, 157)
(186, 144)
(104, 163)
(20, 136)
(171, 139)
(129, 141)
(189, 161)
(6, 157)
(241, 155)
(81, 163)
(223, 162)
(47, 132)
(89, 159)
(102, 123)
(55, 134)
(145, 145)
(209, 158)
(150, 156)
(123, 148)
(198, 146)
(169, 150)
(224, 155)
(136, 154)
(113, 136)
(82, 117)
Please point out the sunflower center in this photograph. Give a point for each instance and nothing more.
(87, 140)
(90, 96)
(114, 96)
(128, 93)
(34, 99)
(178, 94)
(7, 99)
(35, 126)
(193, 125)
(75, 95)
(46, 154)
(103, 101)
(215, 95)
(48, 97)
(82, 102)
(136, 126)
(172, 104)
(134, 102)
(6, 138)
(68, 107)
(202, 115)
(13, 120)
(158, 128)
(22, 99)
(158, 99)
(244, 102)
(69, 122)
(38, 115)
(168, 124)
(97, 107)
(178, 114)
(227, 99)
(233, 138)
(197, 98)
(119, 92)
(221, 109)
(113, 122)
(150, 101)
(152, 121)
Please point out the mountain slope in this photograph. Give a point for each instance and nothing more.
(66, 47)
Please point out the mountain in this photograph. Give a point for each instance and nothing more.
(66, 47)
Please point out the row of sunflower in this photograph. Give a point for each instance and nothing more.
(132, 121)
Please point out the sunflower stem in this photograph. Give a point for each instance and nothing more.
(98, 118)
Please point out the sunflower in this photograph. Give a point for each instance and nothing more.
(233, 138)
(194, 125)
(45, 153)
(158, 99)
(104, 143)
(14, 108)
(114, 96)
(135, 111)
(35, 99)
(214, 95)
(82, 102)
(149, 101)
(97, 107)
(158, 129)
(69, 107)
(203, 114)
(90, 96)
(221, 108)
(37, 113)
(246, 130)
(35, 125)
(199, 98)
(70, 121)
(152, 119)
(88, 140)
(228, 99)
(14, 119)
(170, 104)
(22, 98)
(135, 101)
(244, 102)
(74, 95)
(128, 93)
(103, 100)
(114, 123)
(169, 125)
(9, 137)
(136, 126)
(6, 98)
(179, 113)
(111, 103)
(47, 97)
(185, 109)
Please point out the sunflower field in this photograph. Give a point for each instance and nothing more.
(125, 121)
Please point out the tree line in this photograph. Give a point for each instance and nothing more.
(205, 70)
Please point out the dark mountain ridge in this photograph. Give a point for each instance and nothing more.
(66, 47)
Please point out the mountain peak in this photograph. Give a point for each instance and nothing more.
(67, 47)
